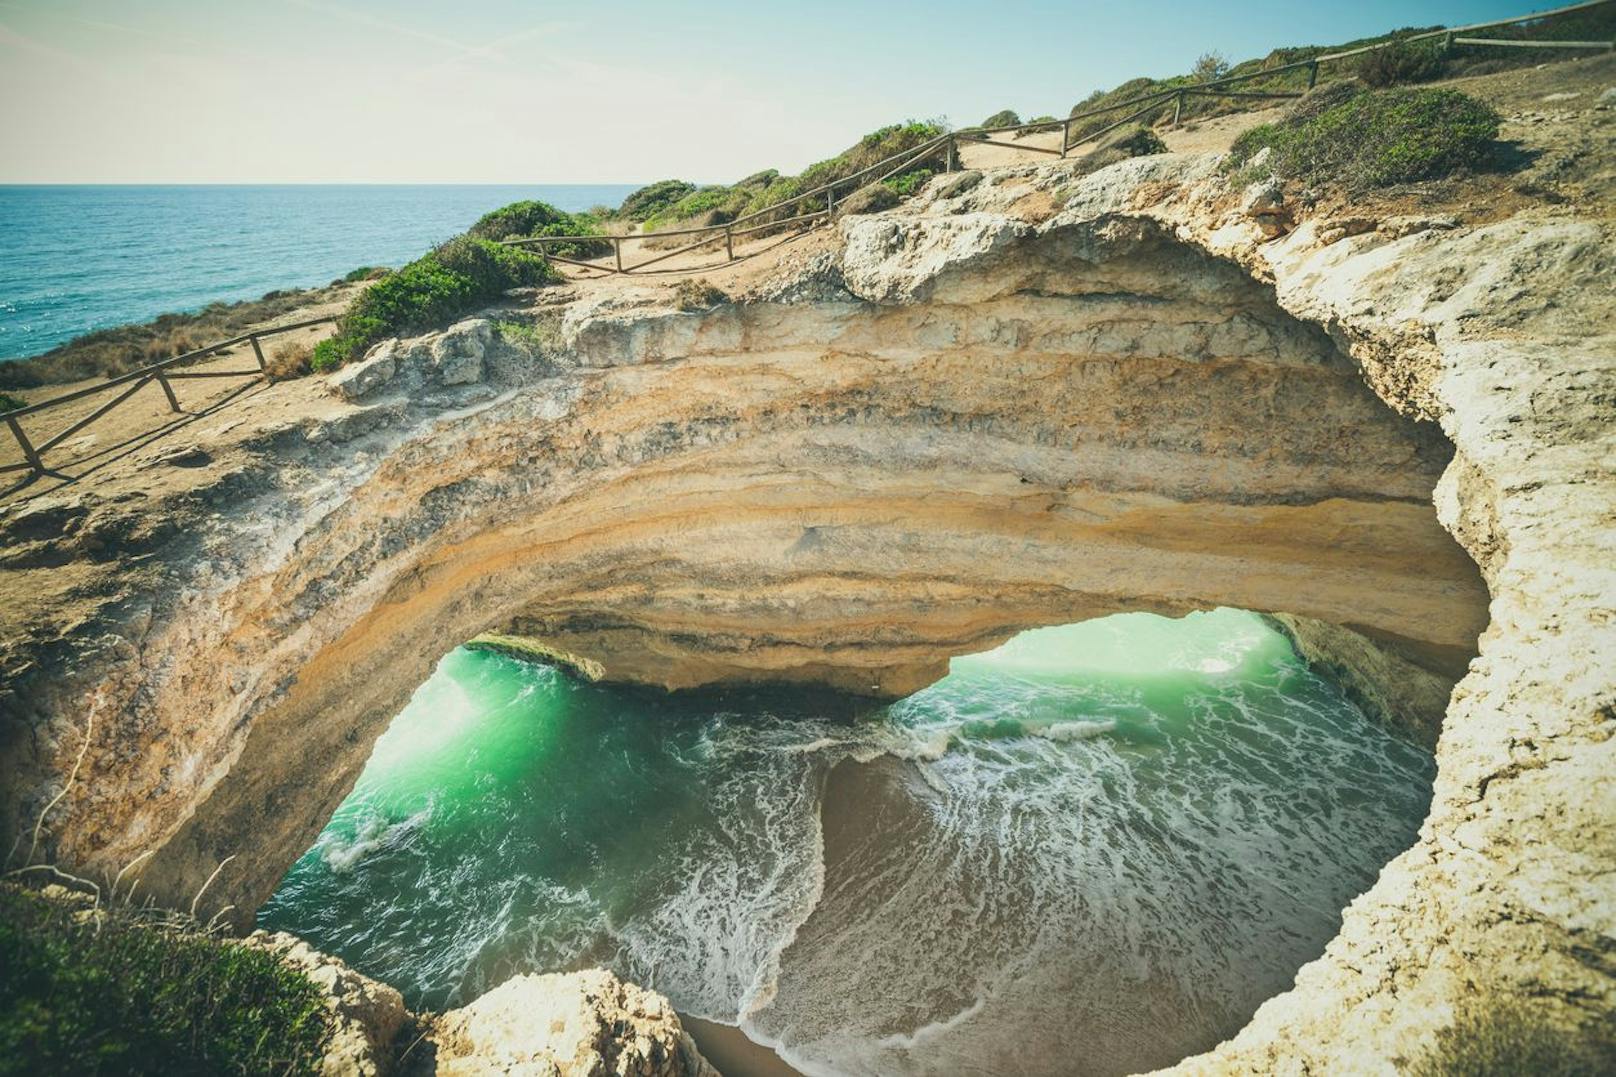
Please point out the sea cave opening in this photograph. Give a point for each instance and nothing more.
(1096, 848)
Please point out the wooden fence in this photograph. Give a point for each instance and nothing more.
(132, 382)
(944, 148)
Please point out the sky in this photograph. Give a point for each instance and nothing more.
(507, 91)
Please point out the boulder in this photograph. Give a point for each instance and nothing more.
(367, 1014)
(458, 353)
(358, 380)
(579, 1024)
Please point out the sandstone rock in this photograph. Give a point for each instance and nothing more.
(952, 184)
(1264, 203)
(367, 1014)
(1134, 404)
(458, 352)
(1398, 227)
(581, 1024)
(869, 199)
(358, 380)
(1341, 227)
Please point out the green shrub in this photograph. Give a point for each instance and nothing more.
(652, 199)
(126, 997)
(1401, 62)
(431, 291)
(1376, 139)
(1209, 67)
(363, 273)
(526, 219)
(1002, 118)
(909, 182)
(763, 190)
(11, 403)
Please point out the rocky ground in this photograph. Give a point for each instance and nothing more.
(1027, 396)
(581, 1024)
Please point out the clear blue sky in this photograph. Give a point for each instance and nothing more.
(494, 91)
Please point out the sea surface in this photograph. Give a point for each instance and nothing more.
(1093, 850)
(81, 258)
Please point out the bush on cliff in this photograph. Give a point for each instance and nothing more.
(762, 190)
(525, 219)
(431, 291)
(1402, 62)
(1005, 117)
(1376, 139)
(117, 995)
(656, 198)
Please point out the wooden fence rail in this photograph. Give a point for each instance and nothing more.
(132, 382)
(944, 147)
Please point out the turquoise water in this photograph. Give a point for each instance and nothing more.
(81, 258)
(1095, 849)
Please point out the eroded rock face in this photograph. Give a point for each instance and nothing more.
(958, 426)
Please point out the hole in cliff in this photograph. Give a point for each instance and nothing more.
(1095, 849)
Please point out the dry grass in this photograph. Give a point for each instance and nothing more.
(115, 350)
(698, 294)
(289, 361)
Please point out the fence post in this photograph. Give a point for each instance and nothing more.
(948, 154)
(830, 201)
(258, 352)
(1312, 74)
(729, 241)
(617, 250)
(168, 391)
(1178, 107)
(1066, 135)
(28, 452)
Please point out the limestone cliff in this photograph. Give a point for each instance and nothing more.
(992, 409)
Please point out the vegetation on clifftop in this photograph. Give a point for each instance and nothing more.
(520, 220)
(656, 207)
(1372, 139)
(454, 279)
(107, 993)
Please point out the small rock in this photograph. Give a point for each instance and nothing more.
(1264, 204)
(359, 379)
(183, 456)
(1398, 227)
(954, 183)
(458, 353)
(1342, 227)
(576, 1025)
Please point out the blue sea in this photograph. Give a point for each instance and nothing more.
(81, 258)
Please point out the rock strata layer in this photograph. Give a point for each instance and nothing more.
(950, 425)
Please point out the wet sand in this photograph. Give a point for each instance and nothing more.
(727, 1047)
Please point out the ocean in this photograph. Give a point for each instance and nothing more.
(1094, 850)
(79, 258)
